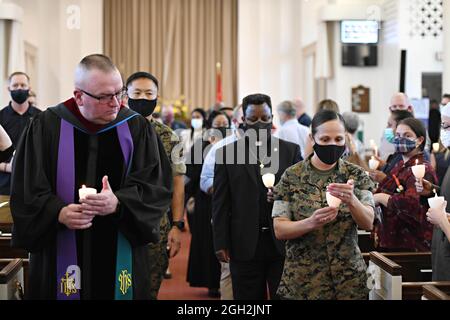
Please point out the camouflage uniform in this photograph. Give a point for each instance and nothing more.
(159, 258)
(325, 263)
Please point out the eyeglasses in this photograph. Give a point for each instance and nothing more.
(106, 99)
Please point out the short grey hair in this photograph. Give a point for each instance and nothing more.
(287, 107)
(351, 121)
(91, 62)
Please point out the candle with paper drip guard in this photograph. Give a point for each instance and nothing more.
(373, 163)
(435, 202)
(83, 191)
(268, 180)
(436, 147)
(332, 200)
(418, 170)
(374, 147)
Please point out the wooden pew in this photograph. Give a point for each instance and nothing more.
(365, 241)
(437, 291)
(7, 252)
(399, 276)
(5, 215)
(11, 279)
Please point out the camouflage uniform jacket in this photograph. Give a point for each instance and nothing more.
(325, 263)
(170, 140)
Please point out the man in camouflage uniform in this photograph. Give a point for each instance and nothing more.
(325, 263)
(142, 89)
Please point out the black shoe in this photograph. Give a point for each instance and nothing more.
(213, 293)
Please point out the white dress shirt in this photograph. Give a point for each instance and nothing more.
(294, 132)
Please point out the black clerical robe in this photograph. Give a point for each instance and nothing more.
(143, 189)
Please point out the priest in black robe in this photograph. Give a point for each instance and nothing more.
(91, 248)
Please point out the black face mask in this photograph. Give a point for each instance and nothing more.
(20, 95)
(142, 106)
(223, 131)
(259, 128)
(329, 154)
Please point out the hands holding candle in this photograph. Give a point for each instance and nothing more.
(101, 204)
(342, 192)
(362, 214)
(437, 215)
(269, 182)
(80, 216)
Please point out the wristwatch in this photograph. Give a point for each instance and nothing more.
(179, 224)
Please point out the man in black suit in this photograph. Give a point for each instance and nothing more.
(242, 223)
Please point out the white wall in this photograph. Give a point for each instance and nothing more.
(60, 48)
(421, 52)
(384, 79)
(270, 50)
(310, 19)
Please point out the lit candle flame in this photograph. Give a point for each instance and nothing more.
(417, 162)
(435, 194)
(83, 186)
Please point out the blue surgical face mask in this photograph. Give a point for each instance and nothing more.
(389, 135)
(197, 124)
(404, 145)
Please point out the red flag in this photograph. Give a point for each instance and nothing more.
(219, 96)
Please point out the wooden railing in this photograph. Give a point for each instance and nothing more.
(437, 291)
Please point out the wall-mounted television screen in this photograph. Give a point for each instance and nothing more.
(359, 31)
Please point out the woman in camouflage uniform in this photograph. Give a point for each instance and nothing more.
(323, 260)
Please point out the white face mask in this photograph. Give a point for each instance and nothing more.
(445, 138)
(197, 123)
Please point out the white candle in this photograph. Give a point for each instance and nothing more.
(333, 201)
(418, 170)
(435, 202)
(268, 180)
(436, 147)
(374, 147)
(373, 163)
(83, 192)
